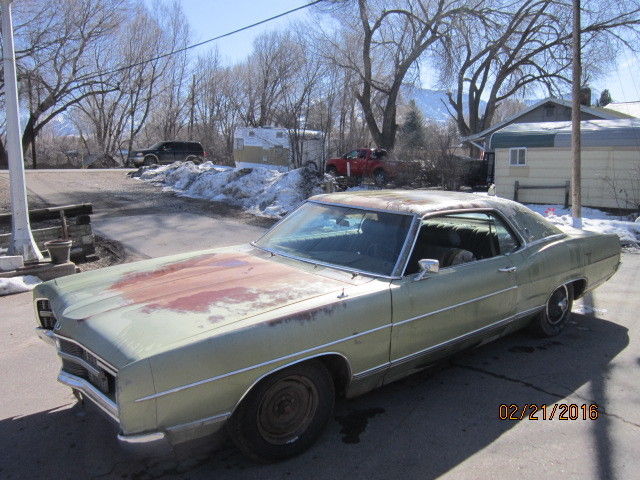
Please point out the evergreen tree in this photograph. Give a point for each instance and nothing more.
(412, 134)
(605, 98)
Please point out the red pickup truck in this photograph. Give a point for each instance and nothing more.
(364, 162)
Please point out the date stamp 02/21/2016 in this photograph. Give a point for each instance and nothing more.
(557, 411)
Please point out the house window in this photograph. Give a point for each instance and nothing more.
(517, 157)
(251, 133)
(239, 143)
(279, 135)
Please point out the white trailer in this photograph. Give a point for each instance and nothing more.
(277, 147)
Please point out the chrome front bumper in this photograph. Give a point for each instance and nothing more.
(142, 444)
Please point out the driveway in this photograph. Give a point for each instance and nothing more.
(439, 423)
(149, 222)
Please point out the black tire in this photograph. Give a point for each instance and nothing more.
(194, 158)
(284, 414)
(380, 178)
(150, 160)
(311, 166)
(552, 320)
(333, 171)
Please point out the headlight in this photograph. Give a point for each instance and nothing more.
(45, 315)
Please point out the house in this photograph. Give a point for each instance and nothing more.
(539, 155)
(547, 110)
(631, 109)
(277, 147)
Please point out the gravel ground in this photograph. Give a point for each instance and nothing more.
(117, 196)
(115, 192)
(34, 200)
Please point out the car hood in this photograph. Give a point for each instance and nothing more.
(129, 312)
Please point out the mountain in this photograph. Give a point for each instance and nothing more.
(432, 103)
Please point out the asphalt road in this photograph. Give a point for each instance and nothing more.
(441, 423)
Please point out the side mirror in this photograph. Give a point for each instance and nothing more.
(427, 265)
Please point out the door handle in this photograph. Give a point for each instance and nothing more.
(507, 269)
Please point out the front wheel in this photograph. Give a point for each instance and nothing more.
(333, 171)
(285, 413)
(552, 320)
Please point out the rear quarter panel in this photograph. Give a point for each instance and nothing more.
(544, 266)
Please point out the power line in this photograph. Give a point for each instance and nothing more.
(204, 42)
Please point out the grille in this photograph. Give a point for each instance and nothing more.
(45, 315)
(78, 361)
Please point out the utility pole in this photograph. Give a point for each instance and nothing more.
(193, 107)
(22, 242)
(576, 175)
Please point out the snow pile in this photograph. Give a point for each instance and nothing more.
(593, 220)
(18, 284)
(260, 191)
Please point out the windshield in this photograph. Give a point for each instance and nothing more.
(341, 236)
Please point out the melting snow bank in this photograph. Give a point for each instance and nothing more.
(593, 220)
(18, 284)
(260, 191)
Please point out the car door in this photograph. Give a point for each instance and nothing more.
(351, 160)
(461, 304)
(167, 152)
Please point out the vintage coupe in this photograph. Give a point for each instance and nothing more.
(349, 292)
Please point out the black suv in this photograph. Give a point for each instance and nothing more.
(168, 152)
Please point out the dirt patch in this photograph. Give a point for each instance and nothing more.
(108, 253)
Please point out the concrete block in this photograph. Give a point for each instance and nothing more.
(11, 262)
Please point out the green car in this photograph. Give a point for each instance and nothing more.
(349, 292)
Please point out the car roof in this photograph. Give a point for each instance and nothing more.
(419, 202)
(531, 225)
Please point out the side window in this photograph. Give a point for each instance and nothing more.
(351, 155)
(517, 157)
(460, 238)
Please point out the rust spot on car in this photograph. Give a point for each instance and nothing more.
(304, 316)
(222, 284)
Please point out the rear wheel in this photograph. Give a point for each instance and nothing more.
(333, 171)
(285, 413)
(552, 320)
(194, 158)
(150, 160)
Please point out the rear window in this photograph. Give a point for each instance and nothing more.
(195, 147)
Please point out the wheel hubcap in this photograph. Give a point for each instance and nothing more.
(558, 305)
(287, 409)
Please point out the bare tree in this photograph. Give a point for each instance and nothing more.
(114, 118)
(516, 48)
(382, 42)
(55, 44)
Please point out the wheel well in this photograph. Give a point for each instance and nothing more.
(336, 364)
(579, 287)
(339, 369)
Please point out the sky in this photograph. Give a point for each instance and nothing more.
(209, 18)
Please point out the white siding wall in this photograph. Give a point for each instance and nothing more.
(607, 173)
